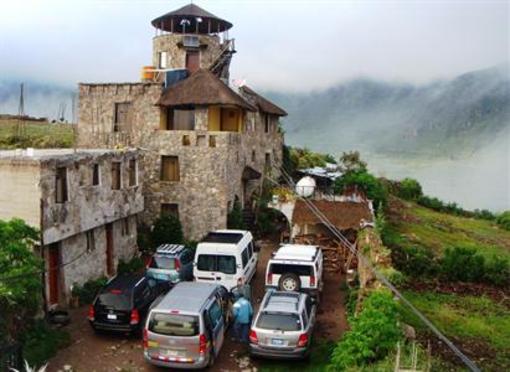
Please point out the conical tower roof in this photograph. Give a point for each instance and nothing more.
(190, 19)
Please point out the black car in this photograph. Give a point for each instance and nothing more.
(122, 304)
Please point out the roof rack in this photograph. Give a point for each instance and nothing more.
(170, 248)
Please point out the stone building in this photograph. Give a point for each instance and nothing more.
(84, 203)
(205, 143)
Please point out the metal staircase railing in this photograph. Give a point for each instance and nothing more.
(223, 56)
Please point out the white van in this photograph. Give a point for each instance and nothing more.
(224, 256)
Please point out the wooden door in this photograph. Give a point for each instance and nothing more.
(192, 61)
(53, 272)
(110, 269)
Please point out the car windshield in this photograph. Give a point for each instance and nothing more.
(301, 270)
(174, 324)
(114, 299)
(162, 262)
(279, 321)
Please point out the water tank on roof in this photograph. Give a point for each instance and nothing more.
(174, 76)
(305, 187)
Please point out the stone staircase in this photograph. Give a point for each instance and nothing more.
(248, 218)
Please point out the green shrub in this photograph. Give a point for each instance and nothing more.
(371, 185)
(167, 230)
(41, 342)
(410, 189)
(133, 265)
(431, 203)
(266, 221)
(143, 239)
(88, 291)
(235, 217)
(374, 333)
(463, 264)
(504, 220)
(497, 271)
(414, 261)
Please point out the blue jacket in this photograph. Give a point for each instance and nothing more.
(242, 311)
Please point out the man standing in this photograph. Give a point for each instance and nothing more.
(243, 313)
(243, 289)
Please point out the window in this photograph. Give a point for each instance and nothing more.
(163, 59)
(244, 257)
(120, 119)
(170, 168)
(215, 314)
(173, 324)
(250, 250)
(253, 156)
(133, 173)
(279, 321)
(61, 185)
(223, 264)
(186, 141)
(171, 209)
(268, 160)
(116, 176)
(91, 241)
(95, 175)
(125, 226)
(180, 119)
(162, 262)
(267, 123)
(212, 141)
(300, 270)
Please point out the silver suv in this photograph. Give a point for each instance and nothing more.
(295, 267)
(283, 326)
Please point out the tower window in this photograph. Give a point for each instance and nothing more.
(163, 59)
(116, 176)
(61, 185)
(95, 175)
(133, 173)
(120, 119)
(267, 123)
(180, 119)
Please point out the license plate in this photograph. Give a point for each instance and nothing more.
(171, 353)
(111, 316)
(277, 341)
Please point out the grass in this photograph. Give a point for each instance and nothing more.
(467, 319)
(412, 224)
(38, 135)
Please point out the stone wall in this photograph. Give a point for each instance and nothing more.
(210, 47)
(19, 191)
(88, 206)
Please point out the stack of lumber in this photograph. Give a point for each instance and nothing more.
(336, 255)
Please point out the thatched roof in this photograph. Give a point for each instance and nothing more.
(263, 104)
(173, 21)
(202, 88)
(343, 214)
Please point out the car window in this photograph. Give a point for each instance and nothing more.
(301, 270)
(227, 264)
(115, 299)
(278, 321)
(244, 257)
(174, 324)
(305, 318)
(162, 262)
(215, 314)
(206, 262)
(250, 249)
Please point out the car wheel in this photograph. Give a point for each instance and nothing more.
(289, 282)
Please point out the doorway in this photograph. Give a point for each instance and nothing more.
(192, 61)
(54, 272)
(110, 269)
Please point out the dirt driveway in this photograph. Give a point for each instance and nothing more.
(94, 353)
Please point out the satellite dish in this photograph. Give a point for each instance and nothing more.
(306, 187)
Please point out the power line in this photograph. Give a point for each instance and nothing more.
(337, 233)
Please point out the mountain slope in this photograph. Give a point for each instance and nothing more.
(445, 118)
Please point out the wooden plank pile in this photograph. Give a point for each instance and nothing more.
(336, 255)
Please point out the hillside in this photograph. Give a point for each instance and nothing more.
(473, 315)
(446, 118)
(38, 135)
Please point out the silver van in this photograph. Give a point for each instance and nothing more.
(187, 327)
(283, 326)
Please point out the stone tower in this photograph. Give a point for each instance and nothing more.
(191, 38)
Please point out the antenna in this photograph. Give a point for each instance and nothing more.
(20, 126)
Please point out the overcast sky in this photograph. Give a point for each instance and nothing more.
(285, 45)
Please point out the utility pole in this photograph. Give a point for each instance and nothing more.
(20, 125)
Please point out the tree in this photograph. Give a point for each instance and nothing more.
(167, 230)
(351, 161)
(371, 185)
(20, 276)
(410, 189)
(235, 217)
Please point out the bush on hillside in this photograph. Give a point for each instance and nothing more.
(503, 220)
(497, 271)
(463, 264)
(414, 261)
(167, 229)
(374, 333)
(410, 189)
(371, 185)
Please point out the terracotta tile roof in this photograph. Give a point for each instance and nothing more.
(263, 104)
(202, 88)
(343, 214)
